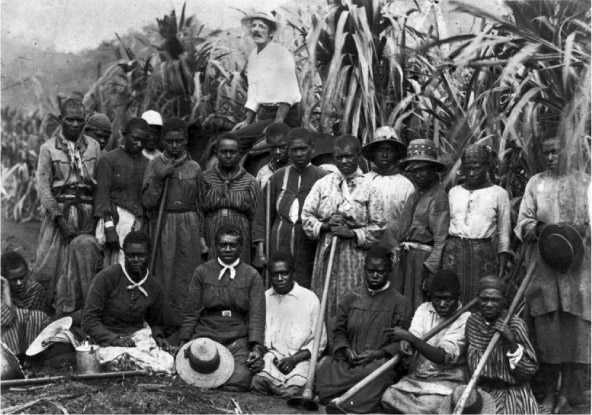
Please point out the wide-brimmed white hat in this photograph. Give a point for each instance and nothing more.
(204, 363)
(56, 332)
(267, 17)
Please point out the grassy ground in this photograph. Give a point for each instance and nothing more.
(140, 395)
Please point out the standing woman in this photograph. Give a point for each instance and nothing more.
(179, 250)
(478, 241)
(342, 204)
(424, 222)
(230, 196)
(118, 204)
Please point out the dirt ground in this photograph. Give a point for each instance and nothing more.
(139, 395)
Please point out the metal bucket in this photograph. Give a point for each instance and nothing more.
(87, 359)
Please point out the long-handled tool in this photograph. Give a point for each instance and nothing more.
(267, 229)
(337, 402)
(496, 336)
(88, 376)
(306, 401)
(158, 229)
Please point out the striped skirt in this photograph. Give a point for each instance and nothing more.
(27, 324)
(471, 259)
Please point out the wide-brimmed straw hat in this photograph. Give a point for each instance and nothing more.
(384, 135)
(204, 363)
(58, 331)
(422, 150)
(561, 247)
(478, 402)
(267, 17)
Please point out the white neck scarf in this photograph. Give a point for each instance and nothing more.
(374, 292)
(137, 285)
(229, 267)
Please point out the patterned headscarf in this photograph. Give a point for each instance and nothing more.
(476, 153)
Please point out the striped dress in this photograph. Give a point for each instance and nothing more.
(508, 387)
(24, 320)
(229, 200)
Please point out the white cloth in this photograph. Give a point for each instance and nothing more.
(146, 354)
(134, 284)
(290, 320)
(294, 212)
(151, 154)
(229, 267)
(127, 223)
(272, 77)
(481, 213)
(515, 357)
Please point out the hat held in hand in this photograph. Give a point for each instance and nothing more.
(204, 363)
(561, 247)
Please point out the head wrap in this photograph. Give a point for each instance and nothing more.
(98, 121)
(446, 280)
(476, 153)
(491, 281)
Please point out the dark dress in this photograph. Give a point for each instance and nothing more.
(361, 318)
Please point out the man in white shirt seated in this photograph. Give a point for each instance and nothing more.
(273, 93)
(291, 318)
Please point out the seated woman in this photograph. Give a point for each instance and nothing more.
(512, 362)
(440, 365)
(123, 311)
(226, 303)
(359, 341)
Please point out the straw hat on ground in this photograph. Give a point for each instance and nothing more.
(204, 363)
(56, 332)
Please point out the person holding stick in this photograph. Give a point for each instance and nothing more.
(289, 188)
(118, 204)
(291, 318)
(359, 339)
(181, 245)
(513, 362)
(439, 365)
(342, 204)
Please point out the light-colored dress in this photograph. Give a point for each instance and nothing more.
(423, 390)
(479, 231)
(559, 302)
(363, 211)
(394, 189)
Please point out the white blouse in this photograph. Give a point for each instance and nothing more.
(481, 213)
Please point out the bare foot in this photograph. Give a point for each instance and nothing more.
(562, 406)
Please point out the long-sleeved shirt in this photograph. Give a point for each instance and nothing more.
(552, 199)
(362, 317)
(451, 340)
(291, 321)
(481, 213)
(55, 173)
(119, 181)
(425, 220)
(222, 308)
(112, 310)
(31, 298)
(184, 183)
(272, 77)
